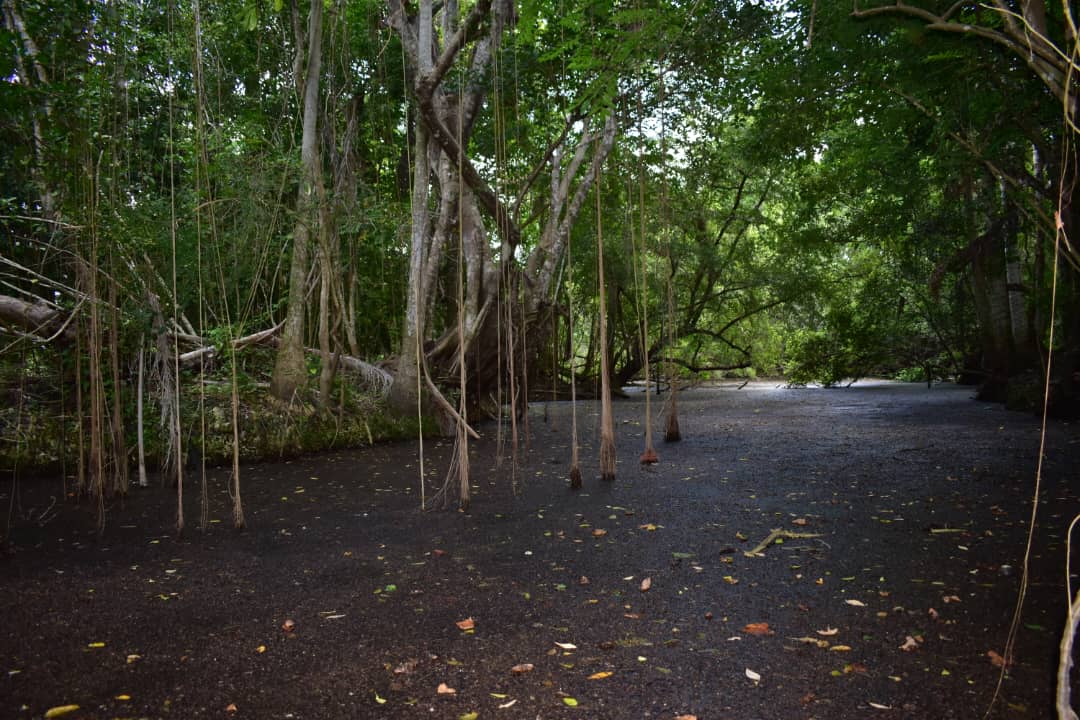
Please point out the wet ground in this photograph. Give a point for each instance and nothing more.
(634, 599)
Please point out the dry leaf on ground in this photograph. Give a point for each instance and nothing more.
(758, 628)
(466, 624)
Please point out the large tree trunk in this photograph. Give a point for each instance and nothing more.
(290, 373)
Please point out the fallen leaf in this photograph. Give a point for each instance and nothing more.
(445, 689)
(911, 643)
(811, 641)
(60, 711)
(469, 716)
(840, 648)
(800, 521)
(95, 645)
(261, 649)
(856, 603)
(932, 613)
(599, 532)
(466, 624)
(508, 704)
(807, 698)
(686, 717)
(856, 668)
(950, 598)
(289, 625)
(522, 668)
(438, 553)
(646, 584)
(133, 658)
(380, 700)
(828, 631)
(583, 580)
(879, 706)
(759, 628)
(651, 527)
(566, 646)
(601, 675)
(753, 675)
(730, 580)
(123, 697)
(406, 667)
(996, 659)
(569, 702)
(231, 708)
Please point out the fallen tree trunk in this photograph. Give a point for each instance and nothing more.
(42, 321)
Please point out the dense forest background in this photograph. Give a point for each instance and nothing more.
(243, 228)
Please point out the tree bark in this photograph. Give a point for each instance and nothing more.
(290, 372)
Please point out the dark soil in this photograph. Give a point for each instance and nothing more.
(921, 500)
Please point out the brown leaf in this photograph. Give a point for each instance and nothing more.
(583, 581)
(438, 553)
(599, 532)
(932, 613)
(760, 628)
(466, 624)
(828, 632)
(289, 625)
(996, 659)
(807, 698)
(686, 717)
(231, 708)
(800, 521)
(601, 675)
(445, 689)
(646, 584)
(522, 668)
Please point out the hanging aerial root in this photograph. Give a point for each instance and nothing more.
(575, 477)
(672, 433)
(649, 457)
(607, 458)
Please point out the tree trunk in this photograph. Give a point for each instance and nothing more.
(290, 372)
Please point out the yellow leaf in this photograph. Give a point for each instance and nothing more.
(601, 675)
(569, 702)
(840, 648)
(260, 649)
(469, 716)
(95, 645)
(730, 580)
(60, 711)
(124, 698)
(380, 700)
